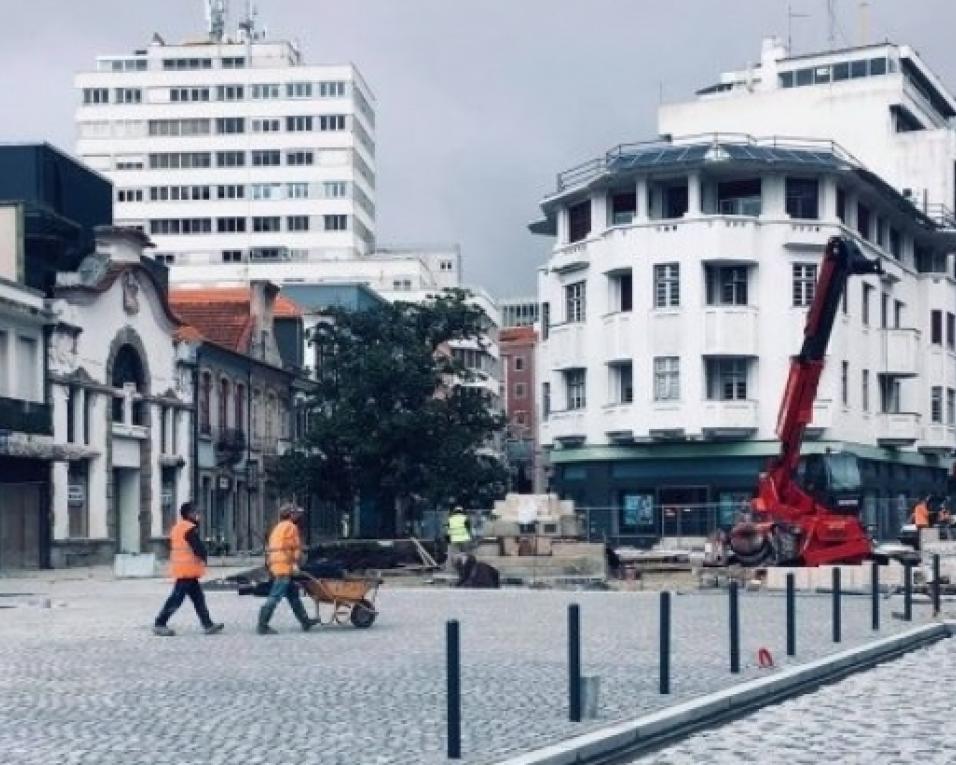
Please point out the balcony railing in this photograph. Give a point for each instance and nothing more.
(26, 416)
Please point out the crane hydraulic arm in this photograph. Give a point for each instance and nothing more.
(788, 524)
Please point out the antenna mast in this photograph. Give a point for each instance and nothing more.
(831, 24)
(864, 22)
(216, 11)
(790, 17)
(248, 25)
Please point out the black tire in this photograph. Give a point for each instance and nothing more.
(750, 549)
(363, 615)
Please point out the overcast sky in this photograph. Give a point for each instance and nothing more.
(480, 102)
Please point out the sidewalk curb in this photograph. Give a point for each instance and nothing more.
(648, 732)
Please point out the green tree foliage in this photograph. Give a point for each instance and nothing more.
(391, 421)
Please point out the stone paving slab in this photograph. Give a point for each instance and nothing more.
(85, 681)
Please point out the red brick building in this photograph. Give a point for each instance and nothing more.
(517, 346)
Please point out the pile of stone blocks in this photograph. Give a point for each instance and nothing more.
(543, 515)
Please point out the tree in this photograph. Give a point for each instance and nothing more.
(396, 420)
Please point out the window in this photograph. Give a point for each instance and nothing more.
(950, 406)
(335, 222)
(546, 400)
(266, 190)
(803, 198)
(936, 327)
(545, 320)
(898, 308)
(574, 380)
(128, 96)
(233, 62)
(622, 382)
(845, 383)
(96, 96)
(269, 158)
(574, 302)
(676, 202)
(178, 127)
(165, 258)
(231, 192)
(519, 363)
(264, 92)
(521, 390)
(266, 125)
(186, 63)
(297, 223)
(229, 93)
(188, 94)
(298, 124)
(622, 291)
(858, 69)
(261, 224)
(950, 330)
(880, 231)
(172, 226)
(180, 160)
(298, 90)
(333, 89)
(623, 207)
(77, 499)
(936, 404)
(884, 310)
(205, 396)
(667, 285)
(230, 125)
(845, 301)
(804, 77)
(223, 404)
(865, 307)
(230, 159)
(579, 221)
(232, 256)
(896, 243)
(335, 189)
(841, 205)
(666, 378)
(331, 122)
(129, 195)
(863, 220)
(740, 197)
(726, 285)
(890, 394)
(865, 384)
(804, 283)
(230, 225)
(295, 158)
(298, 190)
(726, 379)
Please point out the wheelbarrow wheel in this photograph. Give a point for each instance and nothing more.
(363, 615)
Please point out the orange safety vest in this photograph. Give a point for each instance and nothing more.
(921, 515)
(282, 554)
(183, 562)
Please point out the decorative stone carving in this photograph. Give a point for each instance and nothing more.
(130, 294)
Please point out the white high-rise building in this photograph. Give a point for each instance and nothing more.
(232, 152)
(680, 278)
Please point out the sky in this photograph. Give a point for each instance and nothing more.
(480, 103)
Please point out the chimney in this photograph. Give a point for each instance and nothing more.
(262, 300)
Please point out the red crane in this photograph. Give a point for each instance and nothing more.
(788, 524)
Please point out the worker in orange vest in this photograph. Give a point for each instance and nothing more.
(187, 563)
(282, 557)
(920, 517)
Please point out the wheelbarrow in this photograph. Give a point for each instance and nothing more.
(352, 598)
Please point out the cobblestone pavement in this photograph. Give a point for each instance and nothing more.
(84, 682)
(899, 712)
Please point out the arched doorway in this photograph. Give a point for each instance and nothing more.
(128, 375)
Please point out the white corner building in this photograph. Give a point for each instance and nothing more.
(238, 159)
(679, 282)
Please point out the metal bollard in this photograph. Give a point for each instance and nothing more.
(454, 689)
(734, 628)
(936, 586)
(875, 595)
(791, 616)
(665, 622)
(836, 605)
(907, 592)
(574, 663)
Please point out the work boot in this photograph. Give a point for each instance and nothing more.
(265, 629)
(309, 624)
(213, 629)
(162, 630)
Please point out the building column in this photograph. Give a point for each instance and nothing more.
(98, 501)
(827, 200)
(773, 193)
(7, 349)
(693, 195)
(641, 214)
(599, 212)
(59, 480)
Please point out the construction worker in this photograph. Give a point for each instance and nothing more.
(920, 516)
(282, 557)
(458, 532)
(187, 563)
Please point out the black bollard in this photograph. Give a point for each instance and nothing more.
(875, 594)
(907, 592)
(454, 690)
(734, 628)
(836, 605)
(665, 622)
(574, 663)
(791, 616)
(936, 586)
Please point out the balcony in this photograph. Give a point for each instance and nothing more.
(17, 415)
(901, 352)
(230, 446)
(566, 345)
(617, 336)
(570, 257)
(728, 419)
(731, 330)
(567, 427)
(897, 429)
(937, 439)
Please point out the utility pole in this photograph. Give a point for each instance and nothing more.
(790, 17)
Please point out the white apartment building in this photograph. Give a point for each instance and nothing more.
(234, 152)
(679, 282)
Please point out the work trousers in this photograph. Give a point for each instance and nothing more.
(181, 589)
(283, 587)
